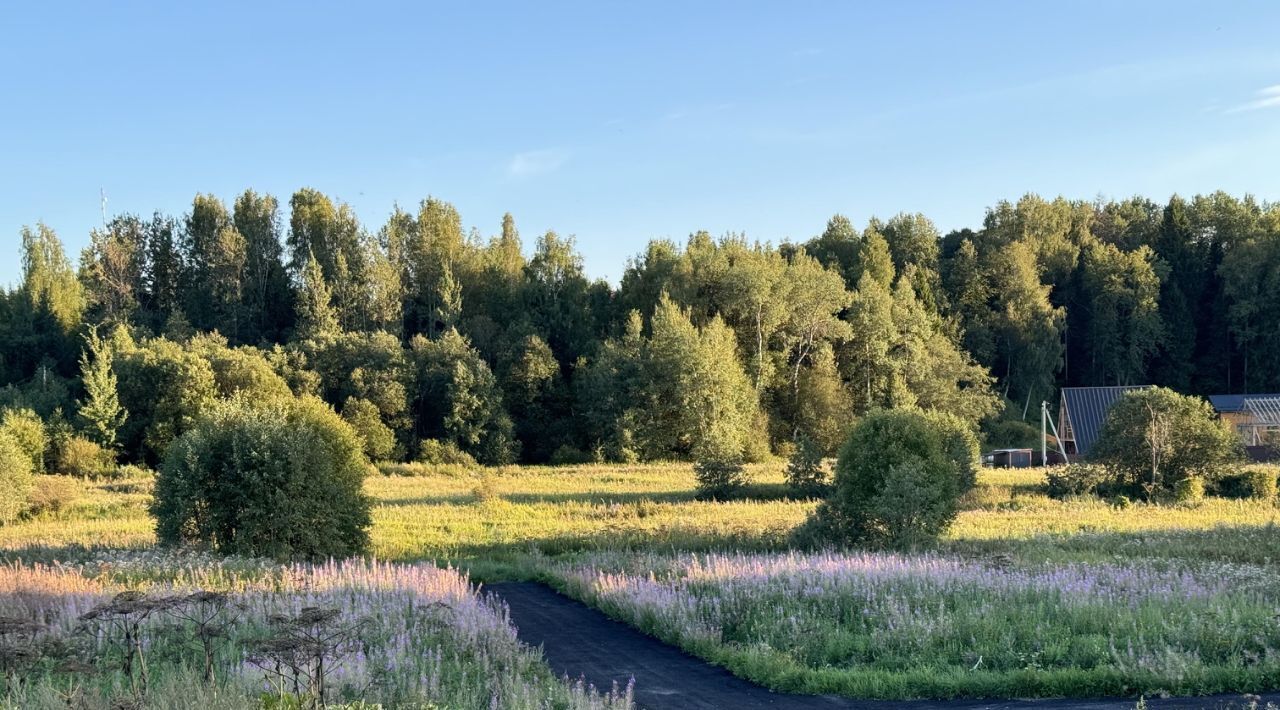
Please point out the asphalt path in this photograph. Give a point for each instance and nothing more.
(580, 642)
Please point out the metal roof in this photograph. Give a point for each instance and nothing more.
(1235, 402)
(1087, 407)
(1263, 409)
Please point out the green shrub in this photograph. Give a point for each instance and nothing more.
(130, 472)
(1078, 479)
(165, 388)
(805, 473)
(719, 477)
(379, 441)
(1261, 482)
(1153, 438)
(567, 455)
(281, 478)
(51, 495)
(15, 478)
(27, 429)
(81, 457)
(898, 481)
(437, 452)
(1189, 490)
(1257, 481)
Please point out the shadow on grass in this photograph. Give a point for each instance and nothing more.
(1237, 544)
(70, 553)
(759, 492)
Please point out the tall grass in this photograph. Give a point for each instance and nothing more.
(418, 634)
(876, 625)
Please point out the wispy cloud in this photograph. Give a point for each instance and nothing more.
(1268, 97)
(807, 52)
(536, 162)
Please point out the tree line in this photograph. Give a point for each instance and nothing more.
(435, 341)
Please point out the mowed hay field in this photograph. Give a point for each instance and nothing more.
(1026, 595)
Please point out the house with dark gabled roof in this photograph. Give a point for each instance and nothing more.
(1256, 417)
(1082, 411)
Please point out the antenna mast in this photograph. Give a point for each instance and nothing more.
(102, 195)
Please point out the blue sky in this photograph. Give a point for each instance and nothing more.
(619, 123)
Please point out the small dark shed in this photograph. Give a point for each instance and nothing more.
(1082, 412)
(1009, 458)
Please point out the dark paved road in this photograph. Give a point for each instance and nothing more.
(581, 642)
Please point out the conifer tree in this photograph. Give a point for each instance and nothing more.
(100, 408)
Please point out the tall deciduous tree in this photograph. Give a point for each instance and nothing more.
(49, 285)
(43, 315)
(1027, 327)
(112, 269)
(330, 232)
(1123, 328)
(266, 297)
(433, 256)
(557, 297)
(914, 241)
(815, 301)
(458, 399)
(839, 247)
(698, 401)
(866, 362)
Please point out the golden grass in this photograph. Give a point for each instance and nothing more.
(456, 515)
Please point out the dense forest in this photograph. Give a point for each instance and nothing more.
(428, 338)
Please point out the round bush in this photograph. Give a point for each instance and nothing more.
(51, 495)
(443, 453)
(1077, 479)
(1153, 438)
(1260, 482)
(15, 478)
(281, 478)
(78, 456)
(719, 477)
(898, 480)
(27, 429)
(1189, 490)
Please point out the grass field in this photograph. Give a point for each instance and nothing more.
(1026, 596)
